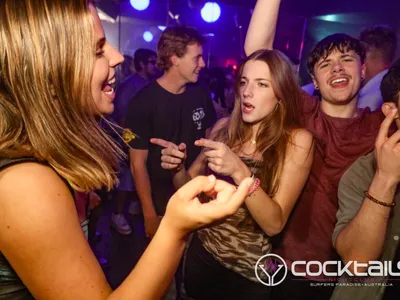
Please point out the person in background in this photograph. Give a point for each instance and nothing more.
(126, 68)
(380, 44)
(145, 65)
(229, 91)
(144, 62)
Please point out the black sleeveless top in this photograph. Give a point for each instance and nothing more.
(11, 286)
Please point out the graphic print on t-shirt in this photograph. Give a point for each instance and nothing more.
(198, 115)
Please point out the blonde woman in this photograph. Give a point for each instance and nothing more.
(56, 77)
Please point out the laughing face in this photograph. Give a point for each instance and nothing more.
(103, 78)
(257, 97)
(190, 65)
(338, 77)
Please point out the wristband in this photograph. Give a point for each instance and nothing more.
(367, 195)
(254, 187)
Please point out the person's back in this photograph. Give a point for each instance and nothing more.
(144, 62)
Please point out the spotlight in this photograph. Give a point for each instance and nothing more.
(147, 36)
(210, 12)
(140, 4)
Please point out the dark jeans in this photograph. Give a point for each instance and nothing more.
(300, 288)
(205, 278)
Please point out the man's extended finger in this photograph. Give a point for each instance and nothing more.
(168, 166)
(173, 152)
(208, 144)
(171, 160)
(163, 143)
(384, 129)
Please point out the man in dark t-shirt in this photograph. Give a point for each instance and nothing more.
(175, 108)
(157, 113)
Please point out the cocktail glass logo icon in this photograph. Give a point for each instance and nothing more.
(271, 269)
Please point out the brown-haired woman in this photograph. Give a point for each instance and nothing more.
(261, 139)
(56, 76)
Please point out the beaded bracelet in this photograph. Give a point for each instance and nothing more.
(367, 195)
(254, 187)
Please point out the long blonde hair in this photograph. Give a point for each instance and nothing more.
(274, 132)
(47, 55)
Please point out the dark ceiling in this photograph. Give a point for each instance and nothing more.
(300, 7)
(295, 15)
(320, 7)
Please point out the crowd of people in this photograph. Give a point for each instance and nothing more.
(226, 169)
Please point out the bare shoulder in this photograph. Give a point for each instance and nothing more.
(29, 178)
(301, 147)
(31, 193)
(302, 138)
(41, 237)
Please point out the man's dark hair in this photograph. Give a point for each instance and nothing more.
(382, 38)
(390, 85)
(337, 41)
(142, 56)
(173, 41)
